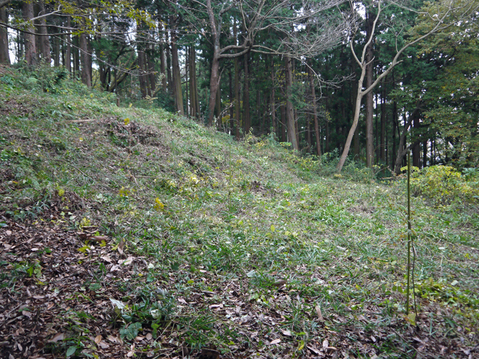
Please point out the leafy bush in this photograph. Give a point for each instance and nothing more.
(444, 185)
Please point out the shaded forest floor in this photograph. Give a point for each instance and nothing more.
(131, 232)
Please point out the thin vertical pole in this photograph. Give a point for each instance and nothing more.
(408, 229)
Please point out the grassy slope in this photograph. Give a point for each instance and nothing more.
(251, 250)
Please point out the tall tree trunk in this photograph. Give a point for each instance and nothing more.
(44, 40)
(169, 76)
(56, 51)
(4, 53)
(290, 120)
(231, 100)
(29, 35)
(382, 145)
(315, 115)
(142, 73)
(237, 87)
(150, 61)
(85, 60)
(246, 108)
(273, 102)
(194, 101)
(76, 56)
(237, 100)
(176, 70)
(284, 123)
(163, 68)
(369, 95)
(218, 104)
(67, 61)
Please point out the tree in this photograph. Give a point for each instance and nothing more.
(4, 53)
(30, 45)
(450, 94)
(439, 24)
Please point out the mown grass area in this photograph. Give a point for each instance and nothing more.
(249, 249)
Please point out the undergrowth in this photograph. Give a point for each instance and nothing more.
(239, 232)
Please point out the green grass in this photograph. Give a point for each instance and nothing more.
(244, 240)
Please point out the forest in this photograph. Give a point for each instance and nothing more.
(370, 80)
(239, 179)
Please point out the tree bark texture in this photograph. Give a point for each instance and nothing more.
(194, 101)
(369, 95)
(4, 53)
(85, 60)
(176, 70)
(43, 39)
(29, 35)
(246, 107)
(290, 120)
(315, 114)
(67, 61)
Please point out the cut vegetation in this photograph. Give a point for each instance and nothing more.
(129, 231)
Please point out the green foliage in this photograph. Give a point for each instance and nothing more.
(219, 223)
(444, 185)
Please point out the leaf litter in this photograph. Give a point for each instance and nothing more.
(47, 299)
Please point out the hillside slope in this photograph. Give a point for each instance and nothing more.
(133, 232)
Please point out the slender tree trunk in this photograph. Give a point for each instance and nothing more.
(237, 86)
(290, 120)
(246, 108)
(231, 100)
(164, 78)
(85, 58)
(4, 53)
(315, 115)
(176, 71)
(369, 95)
(29, 36)
(273, 100)
(150, 61)
(214, 85)
(169, 77)
(218, 103)
(237, 100)
(283, 127)
(56, 51)
(44, 40)
(382, 145)
(357, 109)
(142, 74)
(194, 101)
(68, 50)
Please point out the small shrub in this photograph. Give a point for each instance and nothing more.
(443, 185)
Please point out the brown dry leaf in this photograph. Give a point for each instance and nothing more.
(318, 312)
(286, 333)
(121, 245)
(325, 344)
(113, 339)
(127, 261)
(99, 238)
(104, 345)
(98, 339)
(276, 341)
(314, 350)
(57, 338)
